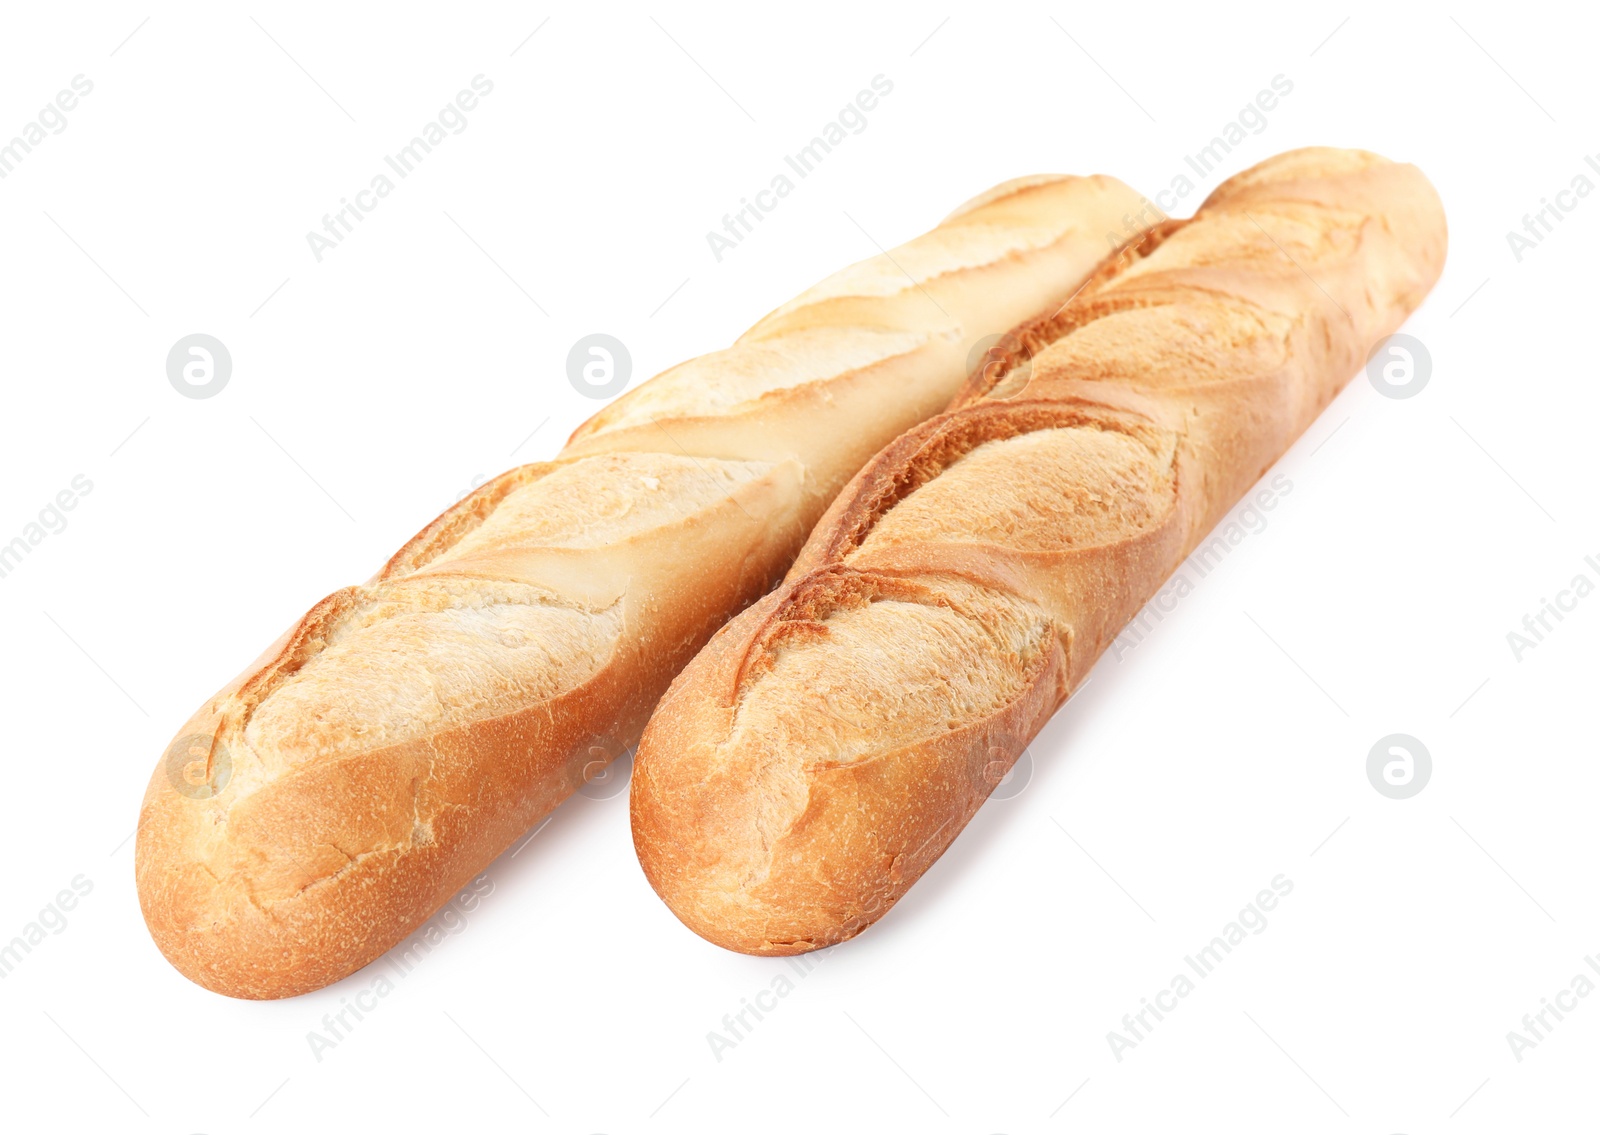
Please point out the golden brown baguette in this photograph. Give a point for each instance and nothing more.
(405, 732)
(830, 742)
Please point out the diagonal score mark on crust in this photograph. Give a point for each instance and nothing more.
(425, 654)
(1024, 342)
(1059, 490)
(577, 503)
(799, 345)
(826, 717)
(1085, 462)
(1221, 234)
(310, 635)
(742, 378)
(973, 238)
(922, 455)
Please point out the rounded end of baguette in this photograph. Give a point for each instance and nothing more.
(204, 913)
(785, 913)
(269, 890)
(783, 799)
(198, 899)
(223, 922)
(229, 948)
(681, 829)
(211, 933)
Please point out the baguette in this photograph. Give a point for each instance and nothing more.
(831, 741)
(405, 732)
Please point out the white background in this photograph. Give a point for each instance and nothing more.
(372, 388)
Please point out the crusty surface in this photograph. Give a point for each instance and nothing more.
(831, 741)
(406, 731)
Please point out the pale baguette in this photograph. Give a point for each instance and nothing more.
(405, 732)
(830, 742)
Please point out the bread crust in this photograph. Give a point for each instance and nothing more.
(811, 763)
(403, 733)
